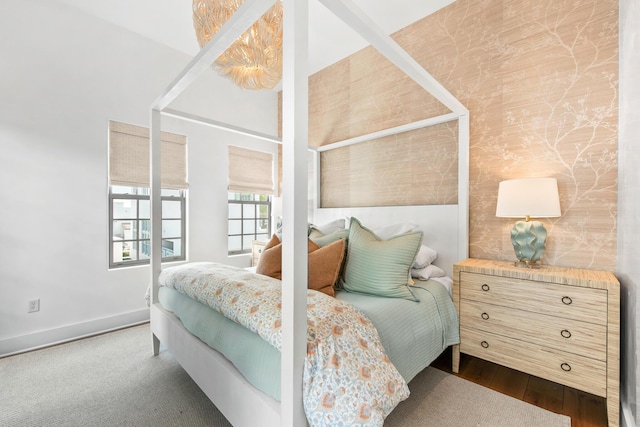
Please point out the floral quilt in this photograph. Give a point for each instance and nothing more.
(348, 378)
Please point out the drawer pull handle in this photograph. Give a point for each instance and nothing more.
(566, 300)
(485, 287)
(566, 367)
(485, 316)
(565, 333)
(484, 344)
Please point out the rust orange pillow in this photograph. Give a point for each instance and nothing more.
(324, 263)
(270, 263)
(324, 267)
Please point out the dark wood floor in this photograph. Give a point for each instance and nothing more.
(585, 410)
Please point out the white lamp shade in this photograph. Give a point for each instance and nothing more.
(533, 197)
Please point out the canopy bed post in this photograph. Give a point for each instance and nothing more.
(294, 233)
(156, 212)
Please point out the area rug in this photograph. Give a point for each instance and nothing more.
(113, 380)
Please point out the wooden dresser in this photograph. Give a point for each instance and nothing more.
(557, 323)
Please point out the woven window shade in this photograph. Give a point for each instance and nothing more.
(250, 171)
(129, 157)
(424, 170)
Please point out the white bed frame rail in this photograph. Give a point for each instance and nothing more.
(240, 402)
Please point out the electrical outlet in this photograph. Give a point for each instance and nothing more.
(34, 305)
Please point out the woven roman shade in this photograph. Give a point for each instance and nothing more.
(129, 157)
(250, 171)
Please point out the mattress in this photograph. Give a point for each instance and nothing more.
(413, 334)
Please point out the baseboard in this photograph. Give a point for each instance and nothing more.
(23, 343)
(627, 416)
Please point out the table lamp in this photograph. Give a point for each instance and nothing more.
(528, 198)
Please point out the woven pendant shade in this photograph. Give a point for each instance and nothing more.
(254, 60)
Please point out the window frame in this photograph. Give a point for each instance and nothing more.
(242, 202)
(141, 241)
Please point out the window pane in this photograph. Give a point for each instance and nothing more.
(262, 237)
(171, 209)
(249, 226)
(171, 228)
(170, 193)
(145, 249)
(124, 208)
(122, 251)
(171, 248)
(263, 211)
(144, 206)
(124, 230)
(247, 240)
(235, 227)
(235, 210)
(133, 247)
(117, 189)
(145, 229)
(249, 211)
(235, 243)
(263, 226)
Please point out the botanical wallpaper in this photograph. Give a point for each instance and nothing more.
(540, 81)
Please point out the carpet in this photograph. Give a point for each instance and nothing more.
(113, 380)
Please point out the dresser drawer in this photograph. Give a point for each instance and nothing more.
(568, 335)
(565, 368)
(572, 302)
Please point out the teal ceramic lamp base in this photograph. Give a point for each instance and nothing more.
(528, 238)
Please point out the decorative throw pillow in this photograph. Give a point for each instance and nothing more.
(323, 269)
(389, 231)
(324, 266)
(380, 267)
(270, 263)
(324, 239)
(427, 272)
(328, 228)
(425, 257)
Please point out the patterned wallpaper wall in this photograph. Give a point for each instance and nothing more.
(540, 80)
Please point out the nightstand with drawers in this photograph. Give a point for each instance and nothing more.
(557, 323)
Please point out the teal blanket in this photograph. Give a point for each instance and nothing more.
(412, 333)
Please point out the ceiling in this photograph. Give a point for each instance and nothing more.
(169, 22)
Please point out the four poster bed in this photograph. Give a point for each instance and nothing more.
(280, 318)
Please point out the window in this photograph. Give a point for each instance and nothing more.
(250, 191)
(130, 225)
(249, 219)
(129, 195)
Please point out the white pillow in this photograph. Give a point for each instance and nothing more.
(330, 227)
(427, 272)
(425, 257)
(389, 231)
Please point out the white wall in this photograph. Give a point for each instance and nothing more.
(628, 268)
(64, 74)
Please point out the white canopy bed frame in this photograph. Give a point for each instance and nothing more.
(240, 402)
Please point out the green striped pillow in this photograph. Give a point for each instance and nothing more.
(380, 267)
